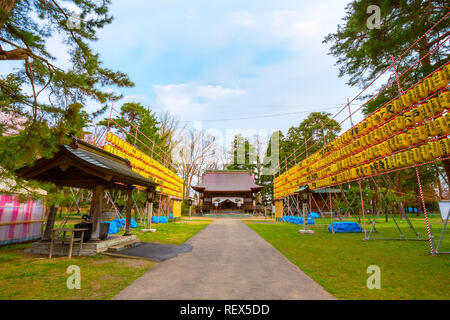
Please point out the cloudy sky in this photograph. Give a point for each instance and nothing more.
(250, 64)
(254, 65)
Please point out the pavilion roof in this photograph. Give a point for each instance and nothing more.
(227, 181)
(83, 165)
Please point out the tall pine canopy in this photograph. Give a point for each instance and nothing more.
(307, 138)
(49, 98)
(142, 130)
(364, 53)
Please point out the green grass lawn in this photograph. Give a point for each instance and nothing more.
(166, 233)
(27, 276)
(30, 277)
(339, 261)
(171, 233)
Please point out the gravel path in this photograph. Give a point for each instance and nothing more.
(229, 261)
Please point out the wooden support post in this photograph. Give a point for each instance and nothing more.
(150, 216)
(190, 211)
(96, 210)
(128, 213)
(52, 211)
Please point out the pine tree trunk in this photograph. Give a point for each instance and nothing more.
(446, 164)
(439, 185)
(418, 199)
(399, 191)
(6, 7)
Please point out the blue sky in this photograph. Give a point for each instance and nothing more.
(210, 60)
(231, 60)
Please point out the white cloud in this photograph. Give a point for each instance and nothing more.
(188, 98)
(293, 25)
(242, 18)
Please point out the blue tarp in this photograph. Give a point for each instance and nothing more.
(297, 220)
(411, 210)
(314, 215)
(112, 227)
(344, 227)
(120, 223)
(162, 219)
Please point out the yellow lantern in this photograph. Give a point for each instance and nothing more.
(390, 163)
(421, 132)
(425, 152)
(369, 153)
(353, 173)
(441, 126)
(409, 119)
(385, 148)
(376, 150)
(413, 98)
(436, 150)
(431, 129)
(417, 155)
(385, 131)
(412, 137)
(390, 110)
(418, 115)
(391, 143)
(409, 157)
(405, 101)
(400, 123)
(381, 165)
(439, 80)
(398, 106)
(427, 111)
(404, 140)
(428, 82)
(444, 99)
(383, 114)
(444, 144)
(435, 106)
(398, 143)
(447, 71)
(392, 126)
(420, 90)
(376, 119)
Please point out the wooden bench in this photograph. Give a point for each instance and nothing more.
(71, 239)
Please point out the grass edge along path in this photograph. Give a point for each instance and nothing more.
(34, 277)
(339, 262)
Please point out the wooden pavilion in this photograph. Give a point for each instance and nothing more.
(228, 191)
(82, 165)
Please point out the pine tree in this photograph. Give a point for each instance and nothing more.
(49, 98)
(242, 154)
(142, 130)
(363, 53)
(311, 130)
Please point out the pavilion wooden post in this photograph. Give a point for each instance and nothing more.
(128, 212)
(52, 211)
(96, 210)
(150, 215)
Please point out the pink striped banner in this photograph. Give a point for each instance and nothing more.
(17, 220)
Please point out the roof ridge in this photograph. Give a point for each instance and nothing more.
(227, 171)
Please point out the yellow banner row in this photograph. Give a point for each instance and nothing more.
(169, 183)
(404, 127)
(177, 209)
